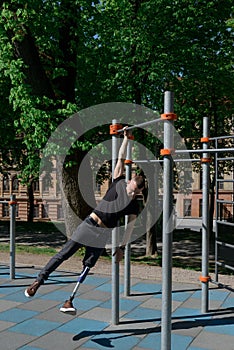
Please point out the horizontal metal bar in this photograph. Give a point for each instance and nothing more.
(148, 161)
(225, 158)
(222, 285)
(225, 223)
(161, 161)
(187, 160)
(4, 202)
(143, 124)
(222, 180)
(209, 150)
(225, 265)
(223, 244)
(222, 137)
(224, 201)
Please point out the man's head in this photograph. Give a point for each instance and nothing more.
(135, 186)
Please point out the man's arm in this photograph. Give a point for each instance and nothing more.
(119, 168)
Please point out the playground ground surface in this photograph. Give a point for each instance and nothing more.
(37, 324)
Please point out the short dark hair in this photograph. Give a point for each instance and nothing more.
(140, 181)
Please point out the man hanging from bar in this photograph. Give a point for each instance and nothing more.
(93, 232)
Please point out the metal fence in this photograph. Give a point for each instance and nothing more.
(224, 232)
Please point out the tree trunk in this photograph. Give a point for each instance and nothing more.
(151, 242)
(76, 205)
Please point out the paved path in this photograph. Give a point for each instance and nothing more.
(36, 323)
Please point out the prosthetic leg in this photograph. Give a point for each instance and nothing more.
(68, 305)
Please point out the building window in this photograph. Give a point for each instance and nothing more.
(58, 189)
(36, 186)
(16, 211)
(5, 210)
(45, 185)
(6, 183)
(98, 188)
(200, 207)
(36, 211)
(60, 214)
(45, 210)
(15, 184)
(187, 207)
(221, 183)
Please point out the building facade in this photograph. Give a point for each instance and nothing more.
(47, 198)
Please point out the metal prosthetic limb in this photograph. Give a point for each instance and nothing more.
(68, 305)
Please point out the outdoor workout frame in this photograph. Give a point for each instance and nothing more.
(167, 219)
(220, 221)
(167, 216)
(12, 203)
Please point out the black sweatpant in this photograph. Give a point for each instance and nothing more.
(91, 255)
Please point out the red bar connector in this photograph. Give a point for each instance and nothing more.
(114, 129)
(169, 116)
(204, 279)
(167, 151)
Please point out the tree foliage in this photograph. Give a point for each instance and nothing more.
(57, 57)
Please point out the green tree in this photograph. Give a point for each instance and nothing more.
(60, 57)
(184, 46)
(39, 61)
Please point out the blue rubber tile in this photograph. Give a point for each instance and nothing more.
(125, 304)
(4, 275)
(97, 281)
(197, 294)
(61, 280)
(153, 341)
(7, 290)
(180, 341)
(17, 315)
(83, 327)
(142, 313)
(220, 295)
(27, 347)
(189, 314)
(221, 326)
(181, 296)
(18, 297)
(229, 302)
(107, 287)
(57, 295)
(85, 304)
(35, 327)
(214, 294)
(4, 268)
(196, 348)
(147, 288)
(112, 340)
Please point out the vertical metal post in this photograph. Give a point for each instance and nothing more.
(205, 218)
(127, 257)
(216, 211)
(115, 265)
(167, 226)
(12, 237)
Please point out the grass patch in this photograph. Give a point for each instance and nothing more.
(28, 249)
(44, 238)
(148, 260)
(34, 250)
